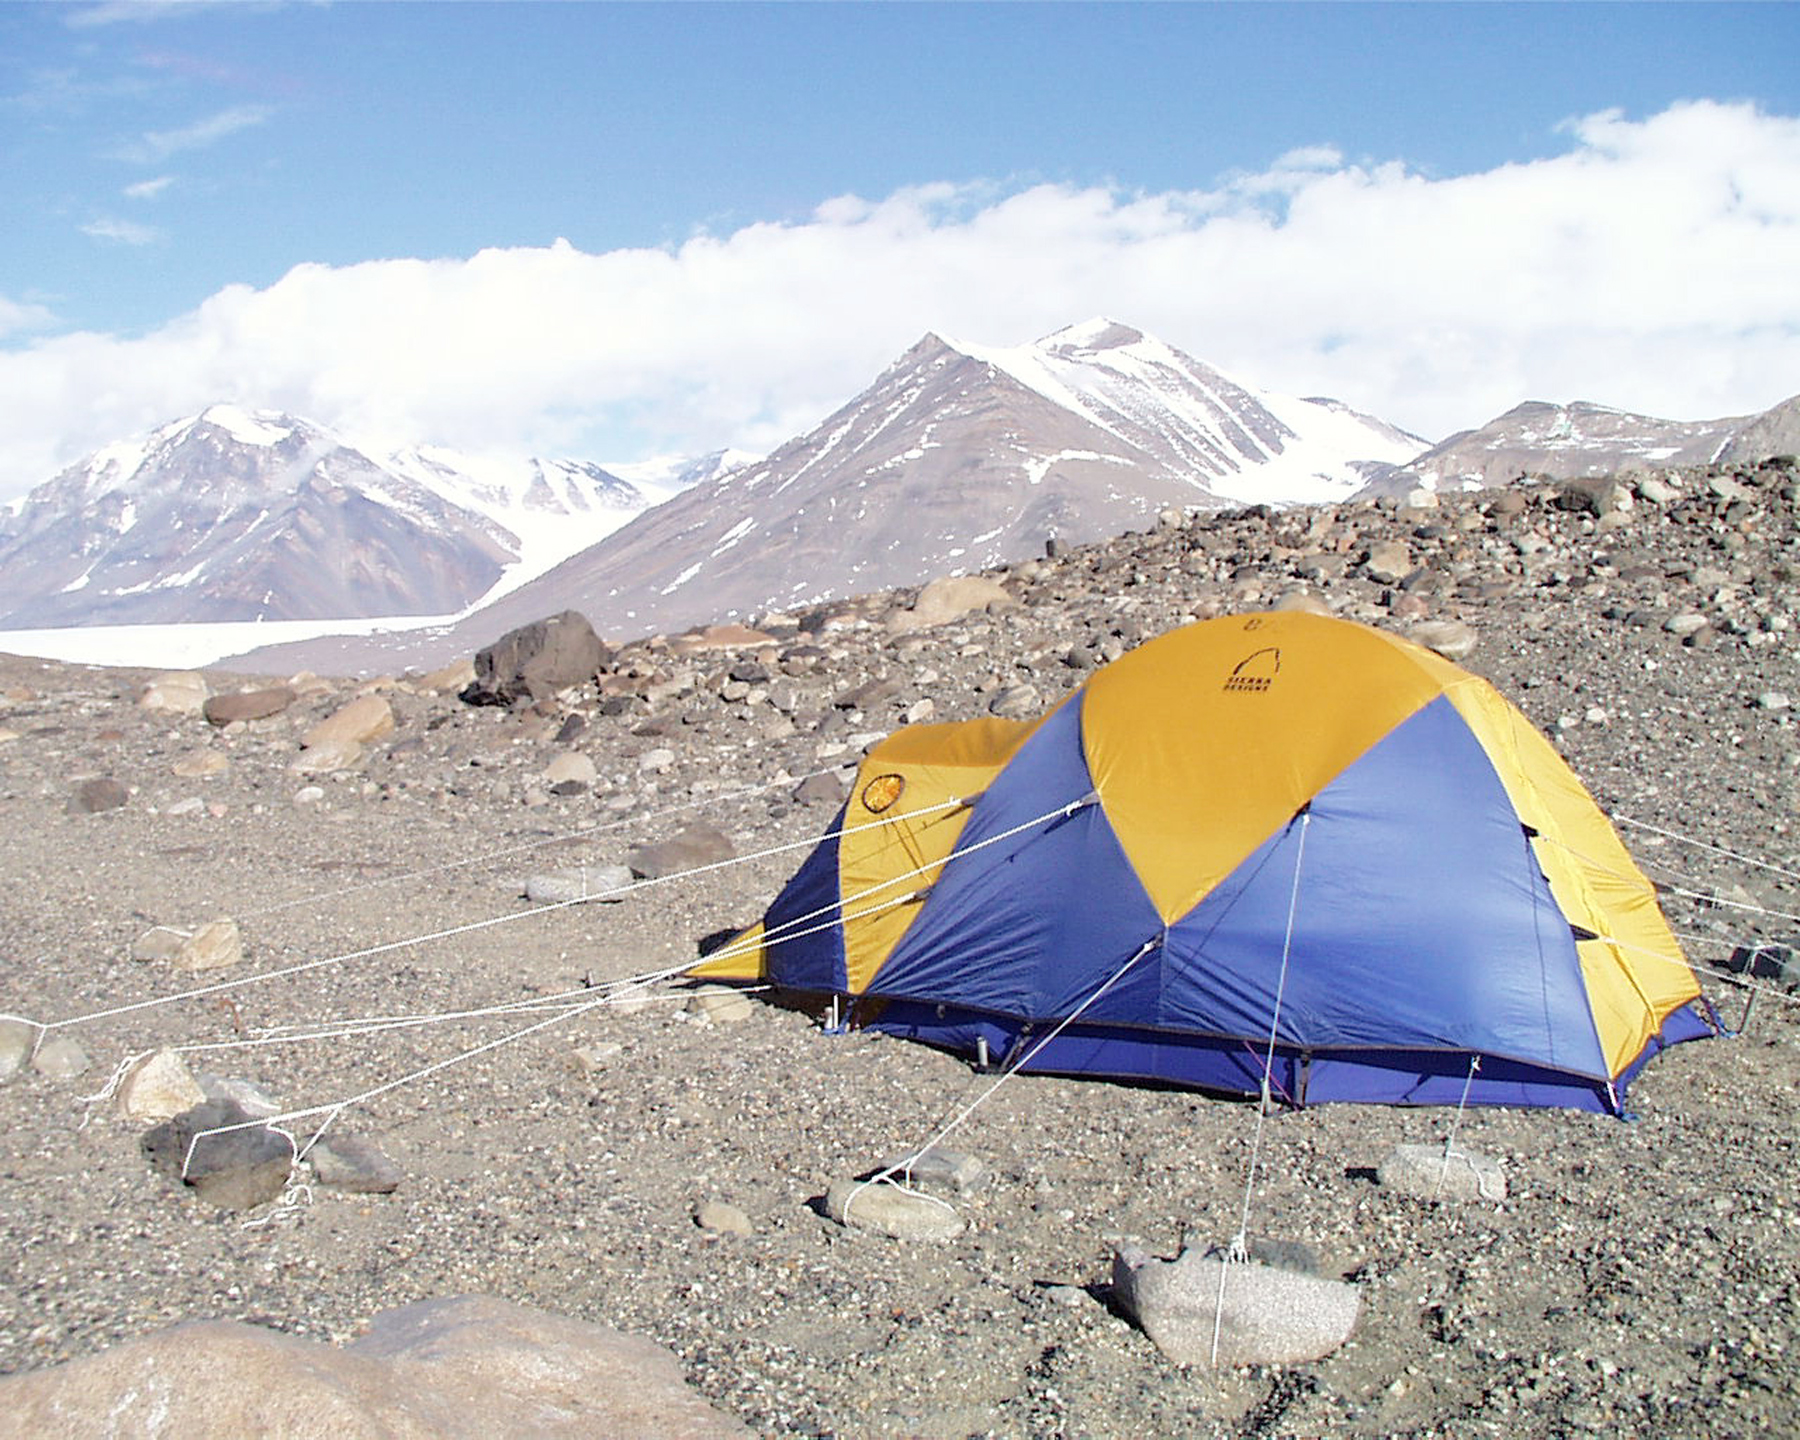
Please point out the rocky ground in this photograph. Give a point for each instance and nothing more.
(1638, 1279)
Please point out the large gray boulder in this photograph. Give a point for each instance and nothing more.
(535, 661)
(472, 1368)
(1203, 1309)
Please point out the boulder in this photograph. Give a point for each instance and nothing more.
(93, 797)
(449, 679)
(891, 1210)
(158, 1087)
(223, 1154)
(248, 705)
(159, 942)
(584, 882)
(938, 1170)
(353, 1164)
(949, 599)
(720, 1004)
(247, 1095)
(177, 692)
(1016, 702)
(691, 848)
(60, 1059)
(1598, 495)
(569, 766)
(535, 661)
(324, 756)
(723, 1219)
(1302, 600)
(824, 788)
(470, 1368)
(1779, 963)
(17, 1040)
(1452, 639)
(198, 764)
(718, 637)
(1388, 562)
(363, 721)
(1438, 1172)
(1259, 1314)
(212, 947)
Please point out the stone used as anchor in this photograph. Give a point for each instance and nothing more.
(1259, 1314)
(1439, 1172)
(904, 1214)
(241, 1166)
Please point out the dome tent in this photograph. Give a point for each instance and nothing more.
(1281, 826)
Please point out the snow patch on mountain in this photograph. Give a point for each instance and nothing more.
(237, 514)
(1235, 440)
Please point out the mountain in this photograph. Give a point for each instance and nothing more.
(1563, 441)
(1774, 432)
(955, 458)
(239, 514)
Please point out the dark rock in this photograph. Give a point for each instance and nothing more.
(537, 660)
(802, 659)
(823, 789)
(237, 1169)
(868, 695)
(1780, 963)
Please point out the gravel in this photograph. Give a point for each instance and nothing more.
(1638, 1277)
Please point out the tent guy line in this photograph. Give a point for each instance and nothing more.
(1704, 845)
(904, 1166)
(713, 797)
(450, 932)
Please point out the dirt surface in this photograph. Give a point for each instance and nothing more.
(1639, 1278)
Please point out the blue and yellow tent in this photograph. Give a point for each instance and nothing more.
(1281, 827)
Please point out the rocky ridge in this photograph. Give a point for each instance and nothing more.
(662, 1170)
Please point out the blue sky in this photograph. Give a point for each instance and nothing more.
(761, 204)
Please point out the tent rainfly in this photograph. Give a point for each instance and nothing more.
(1277, 835)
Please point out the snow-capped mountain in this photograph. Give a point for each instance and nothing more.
(237, 514)
(1565, 441)
(958, 457)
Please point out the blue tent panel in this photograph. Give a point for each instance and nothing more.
(804, 927)
(1035, 923)
(1408, 932)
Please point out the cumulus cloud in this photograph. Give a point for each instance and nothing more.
(1648, 266)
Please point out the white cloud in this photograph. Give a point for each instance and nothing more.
(114, 12)
(148, 189)
(1650, 266)
(155, 146)
(21, 315)
(122, 232)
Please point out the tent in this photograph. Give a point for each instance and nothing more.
(1282, 835)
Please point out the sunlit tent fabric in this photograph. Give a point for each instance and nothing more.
(1250, 810)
